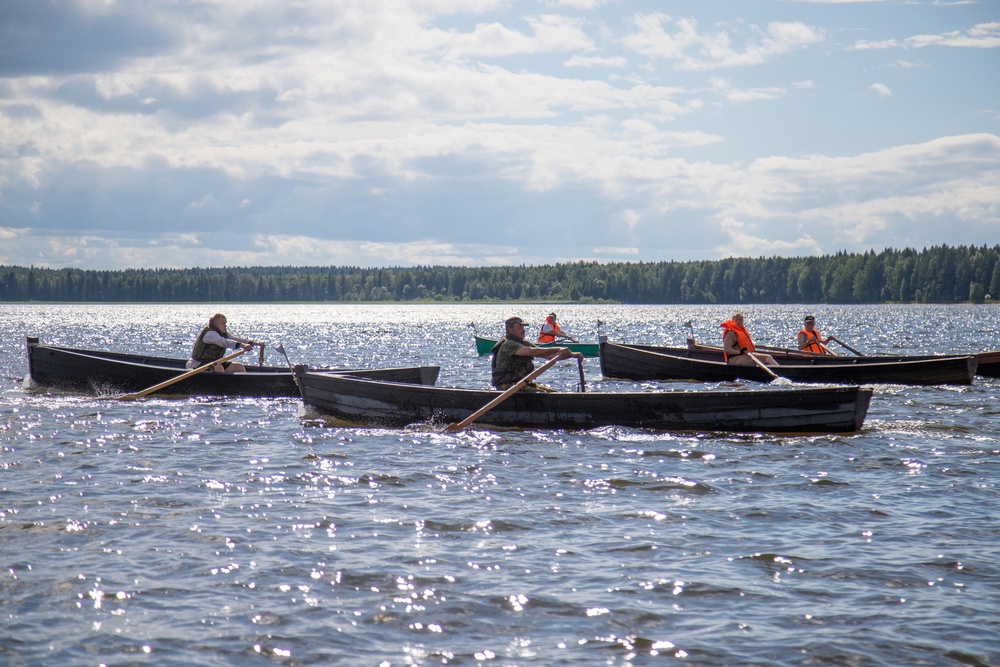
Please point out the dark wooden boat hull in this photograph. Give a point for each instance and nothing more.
(989, 364)
(111, 373)
(801, 410)
(646, 362)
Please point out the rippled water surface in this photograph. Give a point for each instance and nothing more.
(247, 531)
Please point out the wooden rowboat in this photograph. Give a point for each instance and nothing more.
(988, 362)
(647, 362)
(356, 400)
(484, 345)
(111, 373)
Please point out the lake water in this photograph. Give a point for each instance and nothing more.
(248, 532)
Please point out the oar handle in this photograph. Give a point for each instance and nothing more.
(182, 376)
(454, 428)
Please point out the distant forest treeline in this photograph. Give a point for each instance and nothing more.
(940, 274)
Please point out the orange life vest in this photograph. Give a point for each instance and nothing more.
(814, 346)
(549, 336)
(742, 337)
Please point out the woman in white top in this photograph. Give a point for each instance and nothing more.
(212, 343)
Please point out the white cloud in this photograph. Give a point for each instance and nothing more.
(596, 61)
(578, 4)
(953, 178)
(691, 50)
(616, 251)
(549, 33)
(733, 95)
(881, 89)
(743, 243)
(980, 36)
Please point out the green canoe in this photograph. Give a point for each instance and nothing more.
(484, 345)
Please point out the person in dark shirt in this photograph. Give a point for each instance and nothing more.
(513, 357)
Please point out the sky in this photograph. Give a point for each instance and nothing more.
(370, 133)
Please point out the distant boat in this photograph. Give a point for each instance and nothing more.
(648, 362)
(356, 400)
(484, 345)
(119, 373)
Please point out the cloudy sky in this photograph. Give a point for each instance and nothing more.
(180, 133)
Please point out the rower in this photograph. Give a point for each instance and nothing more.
(212, 343)
(550, 331)
(809, 338)
(512, 357)
(738, 347)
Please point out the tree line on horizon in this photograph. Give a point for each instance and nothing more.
(940, 274)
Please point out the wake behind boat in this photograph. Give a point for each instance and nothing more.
(648, 362)
(118, 373)
(363, 401)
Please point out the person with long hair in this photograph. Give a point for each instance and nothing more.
(212, 343)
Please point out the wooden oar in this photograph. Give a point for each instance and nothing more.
(848, 347)
(454, 428)
(182, 376)
(260, 357)
(583, 383)
(281, 348)
(825, 348)
(774, 376)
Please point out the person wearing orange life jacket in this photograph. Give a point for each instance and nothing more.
(550, 331)
(809, 338)
(737, 346)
